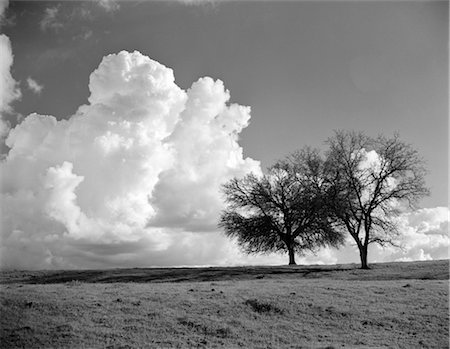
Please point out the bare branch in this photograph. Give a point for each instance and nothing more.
(368, 180)
(284, 210)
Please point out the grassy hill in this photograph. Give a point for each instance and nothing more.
(395, 305)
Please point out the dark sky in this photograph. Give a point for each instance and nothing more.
(305, 68)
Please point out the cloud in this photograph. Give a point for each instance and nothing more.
(9, 88)
(50, 19)
(87, 34)
(108, 5)
(6, 20)
(82, 13)
(3, 6)
(70, 18)
(424, 235)
(83, 34)
(133, 178)
(34, 86)
(186, 193)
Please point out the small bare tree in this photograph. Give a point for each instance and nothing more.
(282, 211)
(370, 181)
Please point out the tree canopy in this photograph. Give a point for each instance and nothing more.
(309, 200)
(370, 181)
(281, 211)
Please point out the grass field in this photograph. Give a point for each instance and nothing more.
(397, 305)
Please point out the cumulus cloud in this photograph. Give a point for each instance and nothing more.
(34, 86)
(9, 88)
(424, 235)
(133, 178)
(186, 193)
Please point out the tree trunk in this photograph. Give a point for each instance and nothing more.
(291, 256)
(363, 256)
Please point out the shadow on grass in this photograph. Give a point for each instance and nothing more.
(434, 270)
(143, 275)
(263, 307)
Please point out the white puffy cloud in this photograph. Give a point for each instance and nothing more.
(9, 89)
(424, 235)
(133, 178)
(369, 166)
(34, 86)
(186, 193)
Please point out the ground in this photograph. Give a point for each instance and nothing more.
(395, 305)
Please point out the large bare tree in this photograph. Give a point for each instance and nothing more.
(370, 181)
(282, 211)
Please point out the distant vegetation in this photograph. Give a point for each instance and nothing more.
(308, 200)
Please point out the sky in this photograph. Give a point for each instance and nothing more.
(121, 119)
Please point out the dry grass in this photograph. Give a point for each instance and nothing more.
(335, 309)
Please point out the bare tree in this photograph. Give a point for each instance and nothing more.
(370, 181)
(282, 211)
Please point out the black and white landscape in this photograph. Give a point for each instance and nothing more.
(238, 135)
